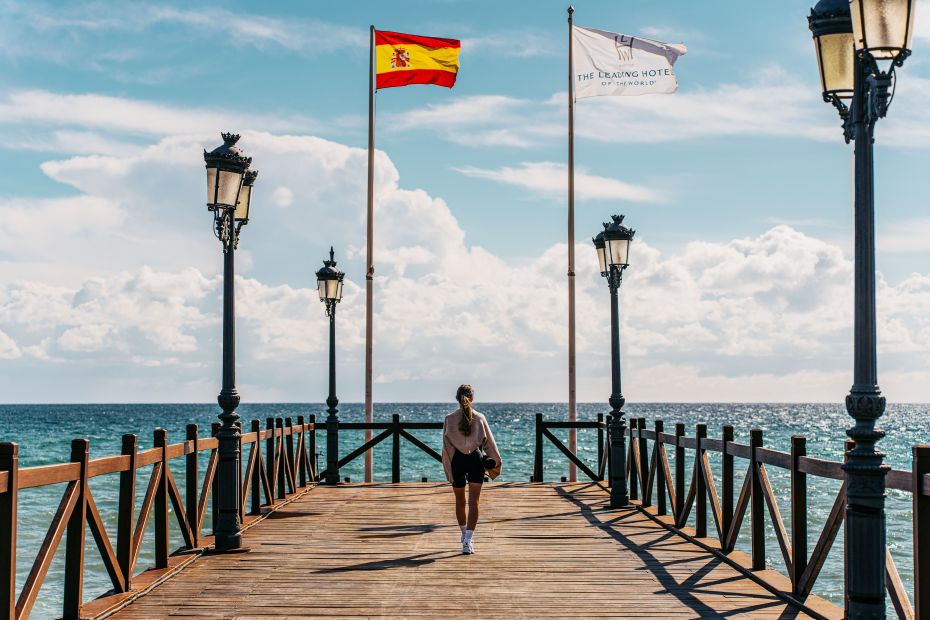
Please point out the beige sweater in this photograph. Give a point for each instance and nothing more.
(480, 436)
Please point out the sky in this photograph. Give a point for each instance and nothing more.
(739, 187)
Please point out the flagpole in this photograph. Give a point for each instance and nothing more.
(572, 404)
(370, 273)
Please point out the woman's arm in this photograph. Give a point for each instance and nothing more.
(490, 447)
(447, 452)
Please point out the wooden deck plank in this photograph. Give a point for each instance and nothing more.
(393, 550)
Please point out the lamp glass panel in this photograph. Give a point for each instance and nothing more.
(339, 291)
(245, 198)
(602, 259)
(227, 192)
(619, 250)
(835, 54)
(332, 289)
(881, 24)
(321, 287)
(211, 186)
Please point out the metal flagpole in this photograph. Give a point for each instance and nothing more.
(370, 273)
(572, 414)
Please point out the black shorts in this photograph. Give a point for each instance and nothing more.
(466, 468)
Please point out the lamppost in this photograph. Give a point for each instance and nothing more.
(859, 45)
(613, 255)
(229, 197)
(329, 282)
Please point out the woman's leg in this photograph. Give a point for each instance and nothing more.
(474, 495)
(459, 504)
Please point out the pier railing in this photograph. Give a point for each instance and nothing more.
(395, 430)
(544, 433)
(285, 472)
(670, 497)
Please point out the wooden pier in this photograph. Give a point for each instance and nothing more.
(544, 550)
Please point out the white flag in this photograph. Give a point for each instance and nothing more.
(607, 63)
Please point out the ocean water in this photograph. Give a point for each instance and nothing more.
(44, 433)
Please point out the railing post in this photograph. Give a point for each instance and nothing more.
(332, 449)
(291, 462)
(644, 463)
(632, 468)
(302, 453)
(659, 427)
(395, 448)
(538, 458)
(74, 546)
(281, 465)
(239, 486)
(727, 496)
(271, 459)
(921, 517)
(161, 502)
(127, 509)
(607, 420)
(215, 487)
(798, 513)
(256, 484)
(9, 463)
(756, 503)
(700, 491)
(679, 473)
(191, 480)
(314, 474)
(600, 444)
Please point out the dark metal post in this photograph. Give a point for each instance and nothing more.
(228, 527)
(679, 474)
(798, 513)
(9, 463)
(619, 496)
(921, 517)
(538, 455)
(726, 507)
(700, 482)
(756, 502)
(332, 417)
(865, 471)
(395, 448)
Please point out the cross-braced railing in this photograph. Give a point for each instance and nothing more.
(672, 496)
(286, 471)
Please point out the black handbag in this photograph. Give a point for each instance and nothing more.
(486, 461)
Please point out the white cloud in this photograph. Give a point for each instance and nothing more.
(139, 303)
(774, 104)
(550, 179)
(123, 115)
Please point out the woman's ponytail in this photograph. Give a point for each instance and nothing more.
(464, 396)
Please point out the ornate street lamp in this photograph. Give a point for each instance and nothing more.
(613, 254)
(329, 283)
(229, 196)
(858, 52)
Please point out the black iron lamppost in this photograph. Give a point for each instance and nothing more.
(859, 45)
(229, 197)
(329, 282)
(613, 255)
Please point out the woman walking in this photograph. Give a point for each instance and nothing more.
(468, 450)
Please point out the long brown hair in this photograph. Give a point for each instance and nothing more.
(465, 394)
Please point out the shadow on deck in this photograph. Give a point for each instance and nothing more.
(393, 550)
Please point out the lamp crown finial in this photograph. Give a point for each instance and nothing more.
(230, 138)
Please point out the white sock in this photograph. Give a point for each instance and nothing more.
(469, 534)
(462, 527)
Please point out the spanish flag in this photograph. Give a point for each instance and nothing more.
(403, 59)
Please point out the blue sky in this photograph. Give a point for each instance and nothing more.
(739, 188)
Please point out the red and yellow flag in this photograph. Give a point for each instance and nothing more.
(402, 59)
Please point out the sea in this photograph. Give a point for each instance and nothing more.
(44, 433)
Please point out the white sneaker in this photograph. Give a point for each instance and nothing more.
(468, 547)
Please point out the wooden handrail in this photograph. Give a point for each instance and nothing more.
(758, 503)
(78, 512)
